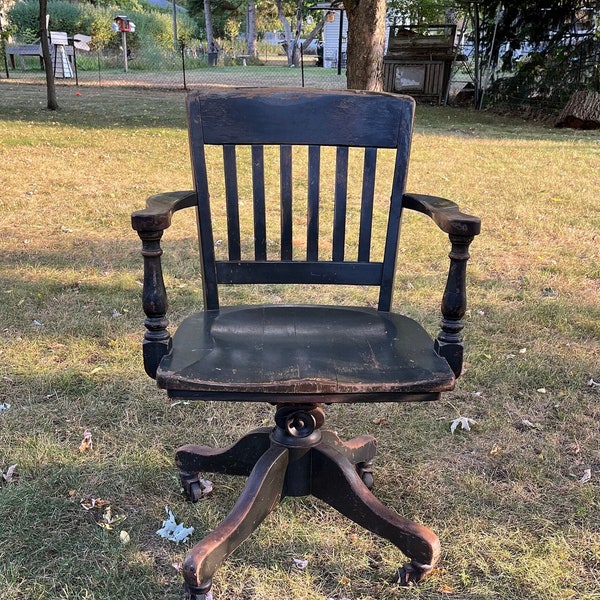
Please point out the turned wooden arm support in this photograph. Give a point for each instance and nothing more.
(150, 224)
(461, 229)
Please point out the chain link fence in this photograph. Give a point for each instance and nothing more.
(184, 68)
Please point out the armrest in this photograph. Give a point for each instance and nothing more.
(159, 210)
(461, 229)
(445, 214)
(150, 224)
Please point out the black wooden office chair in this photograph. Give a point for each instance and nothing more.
(300, 357)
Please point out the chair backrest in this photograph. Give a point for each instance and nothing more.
(302, 136)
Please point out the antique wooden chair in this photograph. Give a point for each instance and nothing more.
(299, 357)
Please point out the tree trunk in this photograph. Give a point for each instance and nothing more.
(366, 44)
(582, 111)
(251, 49)
(52, 102)
(210, 40)
(315, 32)
(287, 32)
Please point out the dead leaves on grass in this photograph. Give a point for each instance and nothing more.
(86, 444)
(10, 476)
(464, 422)
(173, 531)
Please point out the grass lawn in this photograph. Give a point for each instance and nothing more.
(515, 501)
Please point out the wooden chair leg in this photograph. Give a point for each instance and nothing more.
(260, 496)
(237, 459)
(360, 449)
(336, 482)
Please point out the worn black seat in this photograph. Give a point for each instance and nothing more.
(277, 349)
(300, 357)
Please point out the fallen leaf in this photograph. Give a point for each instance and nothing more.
(541, 390)
(89, 503)
(587, 475)
(108, 521)
(172, 531)
(86, 443)
(4, 407)
(9, 476)
(124, 537)
(379, 421)
(593, 383)
(464, 422)
(301, 564)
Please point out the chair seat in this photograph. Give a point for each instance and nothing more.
(346, 353)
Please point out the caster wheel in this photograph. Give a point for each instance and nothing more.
(410, 575)
(365, 472)
(191, 486)
(367, 478)
(194, 493)
(195, 593)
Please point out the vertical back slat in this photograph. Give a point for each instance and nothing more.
(340, 198)
(258, 193)
(231, 202)
(285, 164)
(312, 218)
(366, 209)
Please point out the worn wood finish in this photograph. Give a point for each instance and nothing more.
(287, 118)
(294, 356)
(286, 462)
(303, 350)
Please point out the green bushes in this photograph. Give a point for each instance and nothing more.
(64, 16)
(151, 46)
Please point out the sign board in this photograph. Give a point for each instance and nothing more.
(59, 38)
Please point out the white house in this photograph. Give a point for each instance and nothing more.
(333, 46)
(335, 20)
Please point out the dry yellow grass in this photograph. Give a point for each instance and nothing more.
(508, 499)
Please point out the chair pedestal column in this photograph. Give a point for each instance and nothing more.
(296, 458)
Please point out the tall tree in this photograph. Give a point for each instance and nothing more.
(52, 102)
(210, 40)
(563, 44)
(251, 34)
(292, 36)
(365, 44)
(422, 11)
